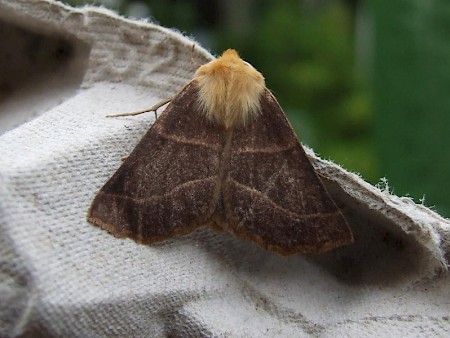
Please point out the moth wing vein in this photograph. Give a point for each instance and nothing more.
(277, 206)
(150, 198)
(267, 150)
(185, 140)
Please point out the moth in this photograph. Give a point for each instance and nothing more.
(222, 154)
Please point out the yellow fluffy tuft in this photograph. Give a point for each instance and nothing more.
(230, 90)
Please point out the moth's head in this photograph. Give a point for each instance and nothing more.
(229, 90)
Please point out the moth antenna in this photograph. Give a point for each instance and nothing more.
(193, 61)
(153, 109)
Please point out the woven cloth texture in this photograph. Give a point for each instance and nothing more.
(63, 277)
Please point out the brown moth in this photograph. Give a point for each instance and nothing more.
(222, 154)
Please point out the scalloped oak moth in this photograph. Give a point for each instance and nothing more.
(222, 154)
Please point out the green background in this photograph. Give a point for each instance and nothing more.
(364, 83)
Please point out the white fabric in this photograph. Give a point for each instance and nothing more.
(61, 276)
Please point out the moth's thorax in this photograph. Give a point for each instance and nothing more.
(229, 90)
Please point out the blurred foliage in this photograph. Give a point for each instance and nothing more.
(317, 58)
(412, 87)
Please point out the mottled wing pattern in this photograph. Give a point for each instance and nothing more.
(273, 195)
(162, 189)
